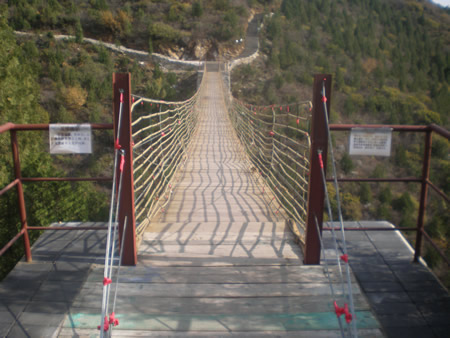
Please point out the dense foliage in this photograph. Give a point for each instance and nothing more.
(43, 80)
(162, 26)
(391, 64)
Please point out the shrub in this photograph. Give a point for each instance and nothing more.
(74, 97)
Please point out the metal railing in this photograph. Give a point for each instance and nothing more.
(424, 181)
(19, 180)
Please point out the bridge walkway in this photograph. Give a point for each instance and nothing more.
(218, 261)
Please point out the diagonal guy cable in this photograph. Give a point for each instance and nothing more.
(347, 268)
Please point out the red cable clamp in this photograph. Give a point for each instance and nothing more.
(121, 97)
(345, 258)
(142, 103)
(163, 134)
(271, 133)
(287, 109)
(113, 320)
(320, 160)
(106, 281)
(324, 98)
(105, 325)
(298, 121)
(179, 122)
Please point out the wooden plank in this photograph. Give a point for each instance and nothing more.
(218, 323)
(217, 290)
(217, 305)
(214, 261)
(220, 275)
(217, 226)
(87, 333)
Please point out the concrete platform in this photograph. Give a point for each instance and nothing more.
(408, 299)
(36, 299)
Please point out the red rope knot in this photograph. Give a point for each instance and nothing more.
(298, 121)
(113, 320)
(105, 325)
(142, 103)
(338, 310)
(117, 145)
(179, 122)
(271, 133)
(324, 99)
(281, 108)
(287, 109)
(320, 160)
(163, 134)
(344, 258)
(348, 315)
(106, 281)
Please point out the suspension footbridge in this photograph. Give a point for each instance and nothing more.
(213, 214)
(215, 258)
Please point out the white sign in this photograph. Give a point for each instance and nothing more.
(70, 139)
(370, 141)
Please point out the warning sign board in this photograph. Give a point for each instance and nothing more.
(70, 139)
(370, 141)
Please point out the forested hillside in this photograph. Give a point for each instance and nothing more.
(43, 80)
(389, 59)
(183, 29)
(390, 63)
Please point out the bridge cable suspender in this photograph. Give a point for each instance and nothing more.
(327, 271)
(110, 247)
(350, 317)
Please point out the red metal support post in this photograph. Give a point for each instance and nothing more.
(423, 195)
(316, 190)
(20, 196)
(122, 82)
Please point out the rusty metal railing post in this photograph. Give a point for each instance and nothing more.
(423, 194)
(316, 191)
(122, 82)
(20, 195)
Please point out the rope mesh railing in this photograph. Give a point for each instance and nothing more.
(277, 142)
(161, 133)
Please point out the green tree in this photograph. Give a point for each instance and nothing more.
(346, 163)
(365, 193)
(78, 32)
(197, 9)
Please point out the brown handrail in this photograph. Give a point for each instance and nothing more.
(424, 180)
(13, 129)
